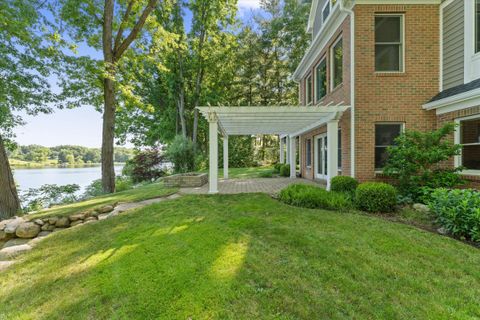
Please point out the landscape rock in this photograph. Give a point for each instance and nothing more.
(88, 219)
(12, 225)
(76, 217)
(106, 209)
(15, 242)
(11, 252)
(421, 207)
(40, 222)
(58, 229)
(62, 222)
(442, 231)
(47, 227)
(4, 235)
(27, 230)
(52, 220)
(5, 264)
(76, 223)
(103, 216)
(43, 234)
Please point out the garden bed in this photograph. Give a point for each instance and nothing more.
(186, 180)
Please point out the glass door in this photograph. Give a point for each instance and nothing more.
(321, 156)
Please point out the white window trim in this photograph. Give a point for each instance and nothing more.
(402, 36)
(306, 89)
(324, 58)
(328, 3)
(332, 80)
(457, 139)
(472, 59)
(402, 130)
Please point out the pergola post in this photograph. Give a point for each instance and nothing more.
(213, 152)
(282, 151)
(287, 142)
(332, 151)
(293, 158)
(225, 156)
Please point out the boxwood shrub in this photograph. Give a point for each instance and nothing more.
(285, 170)
(458, 211)
(376, 197)
(344, 184)
(309, 196)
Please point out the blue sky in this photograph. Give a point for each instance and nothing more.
(81, 126)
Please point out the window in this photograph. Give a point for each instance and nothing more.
(308, 150)
(327, 9)
(389, 43)
(337, 64)
(477, 26)
(321, 80)
(470, 141)
(339, 149)
(385, 134)
(309, 89)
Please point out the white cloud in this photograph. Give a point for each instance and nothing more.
(254, 4)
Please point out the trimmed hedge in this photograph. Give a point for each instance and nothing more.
(458, 211)
(276, 167)
(376, 197)
(308, 196)
(344, 184)
(285, 170)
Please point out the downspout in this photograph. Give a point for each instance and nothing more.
(346, 6)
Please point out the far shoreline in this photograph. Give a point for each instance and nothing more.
(33, 165)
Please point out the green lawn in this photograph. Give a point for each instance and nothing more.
(243, 257)
(149, 191)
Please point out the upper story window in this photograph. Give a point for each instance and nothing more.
(321, 80)
(327, 9)
(308, 89)
(337, 64)
(389, 43)
(477, 26)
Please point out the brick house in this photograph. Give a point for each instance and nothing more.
(398, 65)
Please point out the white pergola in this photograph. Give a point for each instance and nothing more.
(288, 122)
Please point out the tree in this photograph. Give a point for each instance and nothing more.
(28, 57)
(111, 27)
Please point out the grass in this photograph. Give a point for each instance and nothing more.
(144, 192)
(243, 257)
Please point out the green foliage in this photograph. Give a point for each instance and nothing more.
(180, 153)
(344, 184)
(308, 196)
(266, 174)
(376, 197)
(277, 167)
(49, 194)
(145, 166)
(94, 189)
(416, 161)
(123, 183)
(458, 211)
(285, 170)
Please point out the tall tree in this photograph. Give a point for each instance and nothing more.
(27, 59)
(109, 26)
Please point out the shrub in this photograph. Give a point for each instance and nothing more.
(94, 189)
(180, 152)
(308, 196)
(276, 167)
(458, 211)
(48, 195)
(416, 161)
(344, 184)
(145, 166)
(123, 183)
(376, 197)
(285, 170)
(266, 174)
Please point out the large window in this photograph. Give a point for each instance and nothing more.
(385, 134)
(321, 80)
(470, 141)
(308, 89)
(477, 26)
(389, 43)
(337, 64)
(308, 150)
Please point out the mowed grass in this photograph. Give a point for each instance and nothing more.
(144, 192)
(243, 257)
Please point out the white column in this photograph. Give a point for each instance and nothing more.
(282, 151)
(287, 142)
(225, 157)
(293, 158)
(332, 150)
(213, 153)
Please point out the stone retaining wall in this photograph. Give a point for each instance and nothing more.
(188, 180)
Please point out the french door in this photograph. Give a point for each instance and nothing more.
(321, 156)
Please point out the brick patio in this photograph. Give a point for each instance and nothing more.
(264, 185)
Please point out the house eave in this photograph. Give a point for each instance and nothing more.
(457, 102)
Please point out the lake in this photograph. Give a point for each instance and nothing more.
(34, 178)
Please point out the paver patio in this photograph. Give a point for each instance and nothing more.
(255, 185)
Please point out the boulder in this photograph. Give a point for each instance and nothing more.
(52, 220)
(43, 234)
(11, 252)
(88, 219)
(76, 217)
(27, 230)
(421, 208)
(15, 242)
(4, 235)
(104, 216)
(76, 223)
(40, 222)
(47, 227)
(62, 222)
(106, 209)
(12, 225)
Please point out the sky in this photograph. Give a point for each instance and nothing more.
(81, 126)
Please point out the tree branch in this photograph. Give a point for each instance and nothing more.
(136, 29)
(119, 36)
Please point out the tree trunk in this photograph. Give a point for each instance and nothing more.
(108, 170)
(9, 202)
